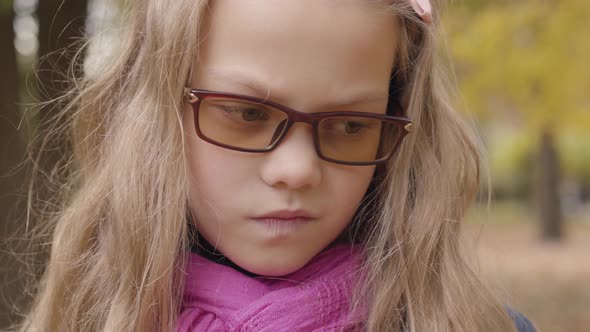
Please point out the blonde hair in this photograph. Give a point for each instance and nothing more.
(120, 234)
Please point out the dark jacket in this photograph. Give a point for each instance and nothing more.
(522, 323)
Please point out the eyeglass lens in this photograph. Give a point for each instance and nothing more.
(254, 126)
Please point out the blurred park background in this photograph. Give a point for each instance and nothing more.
(523, 73)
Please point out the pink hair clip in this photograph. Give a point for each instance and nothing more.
(423, 9)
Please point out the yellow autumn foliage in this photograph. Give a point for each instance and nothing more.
(525, 65)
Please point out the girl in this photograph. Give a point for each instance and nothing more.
(253, 165)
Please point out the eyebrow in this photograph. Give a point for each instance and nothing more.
(257, 88)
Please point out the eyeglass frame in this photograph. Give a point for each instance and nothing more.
(195, 96)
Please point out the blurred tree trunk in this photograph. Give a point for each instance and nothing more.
(61, 24)
(11, 153)
(548, 189)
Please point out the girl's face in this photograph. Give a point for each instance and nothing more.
(310, 55)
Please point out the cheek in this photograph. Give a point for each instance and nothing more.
(197, 153)
(349, 187)
(210, 174)
(355, 178)
(214, 172)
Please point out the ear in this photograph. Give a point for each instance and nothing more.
(423, 9)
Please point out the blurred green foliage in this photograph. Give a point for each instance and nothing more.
(523, 68)
(5, 6)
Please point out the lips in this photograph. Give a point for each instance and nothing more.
(281, 224)
(287, 215)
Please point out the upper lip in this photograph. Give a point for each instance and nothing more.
(287, 214)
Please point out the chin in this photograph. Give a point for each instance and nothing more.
(267, 269)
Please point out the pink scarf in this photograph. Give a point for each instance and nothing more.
(314, 298)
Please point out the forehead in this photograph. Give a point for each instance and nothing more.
(299, 46)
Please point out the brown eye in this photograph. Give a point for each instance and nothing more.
(347, 127)
(352, 128)
(253, 114)
(241, 112)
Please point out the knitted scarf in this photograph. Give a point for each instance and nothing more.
(315, 298)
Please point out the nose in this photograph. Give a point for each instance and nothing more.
(294, 163)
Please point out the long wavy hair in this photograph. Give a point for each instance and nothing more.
(118, 231)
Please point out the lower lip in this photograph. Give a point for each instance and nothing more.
(282, 227)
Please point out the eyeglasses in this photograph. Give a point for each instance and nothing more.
(251, 124)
